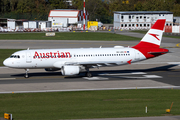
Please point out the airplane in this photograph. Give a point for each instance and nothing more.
(75, 60)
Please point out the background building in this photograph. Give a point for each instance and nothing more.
(140, 19)
(176, 21)
(65, 18)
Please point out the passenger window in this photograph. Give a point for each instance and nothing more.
(12, 56)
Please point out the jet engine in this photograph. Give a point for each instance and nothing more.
(52, 69)
(70, 70)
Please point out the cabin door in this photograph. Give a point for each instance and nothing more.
(28, 57)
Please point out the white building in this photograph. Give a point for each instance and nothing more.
(15, 24)
(64, 18)
(176, 20)
(140, 19)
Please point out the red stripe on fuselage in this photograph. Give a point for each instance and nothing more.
(150, 53)
(146, 48)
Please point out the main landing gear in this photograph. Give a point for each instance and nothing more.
(88, 74)
(26, 75)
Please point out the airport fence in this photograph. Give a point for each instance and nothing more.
(67, 29)
(168, 29)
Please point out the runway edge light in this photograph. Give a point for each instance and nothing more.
(169, 110)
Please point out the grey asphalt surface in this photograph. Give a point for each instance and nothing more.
(165, 69)
(158, 72)
(47, 44)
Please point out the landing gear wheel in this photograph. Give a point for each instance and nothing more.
(88, 74)
(26, 76)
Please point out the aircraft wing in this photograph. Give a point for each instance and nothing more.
(94, 64)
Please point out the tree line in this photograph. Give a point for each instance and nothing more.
(98, 9)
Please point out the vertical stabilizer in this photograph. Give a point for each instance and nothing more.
(153, 37)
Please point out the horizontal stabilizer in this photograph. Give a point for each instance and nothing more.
(159, 52)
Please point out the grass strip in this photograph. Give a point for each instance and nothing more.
(140, 31)
(145, 31)
(67, 36)
(90, 104)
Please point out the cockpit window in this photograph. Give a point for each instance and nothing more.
(14, 56)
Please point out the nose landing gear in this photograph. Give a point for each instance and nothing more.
(26, 75)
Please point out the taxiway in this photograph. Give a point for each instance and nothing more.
(160, 72)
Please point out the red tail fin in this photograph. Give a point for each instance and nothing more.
(153, 37)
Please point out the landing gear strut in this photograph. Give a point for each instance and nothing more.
(26, 75)
(88, 74)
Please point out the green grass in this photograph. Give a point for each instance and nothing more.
(67, 36)
(145, 31)
(5, 53)
(140, 31)
(172, 36)
(90, 104)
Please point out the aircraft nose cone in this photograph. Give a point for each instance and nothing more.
(6, 63)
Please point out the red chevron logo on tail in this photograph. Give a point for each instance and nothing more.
(155, 35)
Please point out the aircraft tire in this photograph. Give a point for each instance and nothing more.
(26, 76)
(88, 74)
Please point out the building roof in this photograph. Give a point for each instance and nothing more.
(64, 13)
(142, 12)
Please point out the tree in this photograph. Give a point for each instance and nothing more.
(58, 4)
(5, 6)
(13, 5)
(138, 6)
(176, 10)
(25, 6)
(78, 4)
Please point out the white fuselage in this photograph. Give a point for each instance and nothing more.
(56, 58)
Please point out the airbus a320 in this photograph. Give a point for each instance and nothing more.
(74, 61)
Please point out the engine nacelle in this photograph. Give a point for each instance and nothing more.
(52, 69)
(70, 70)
